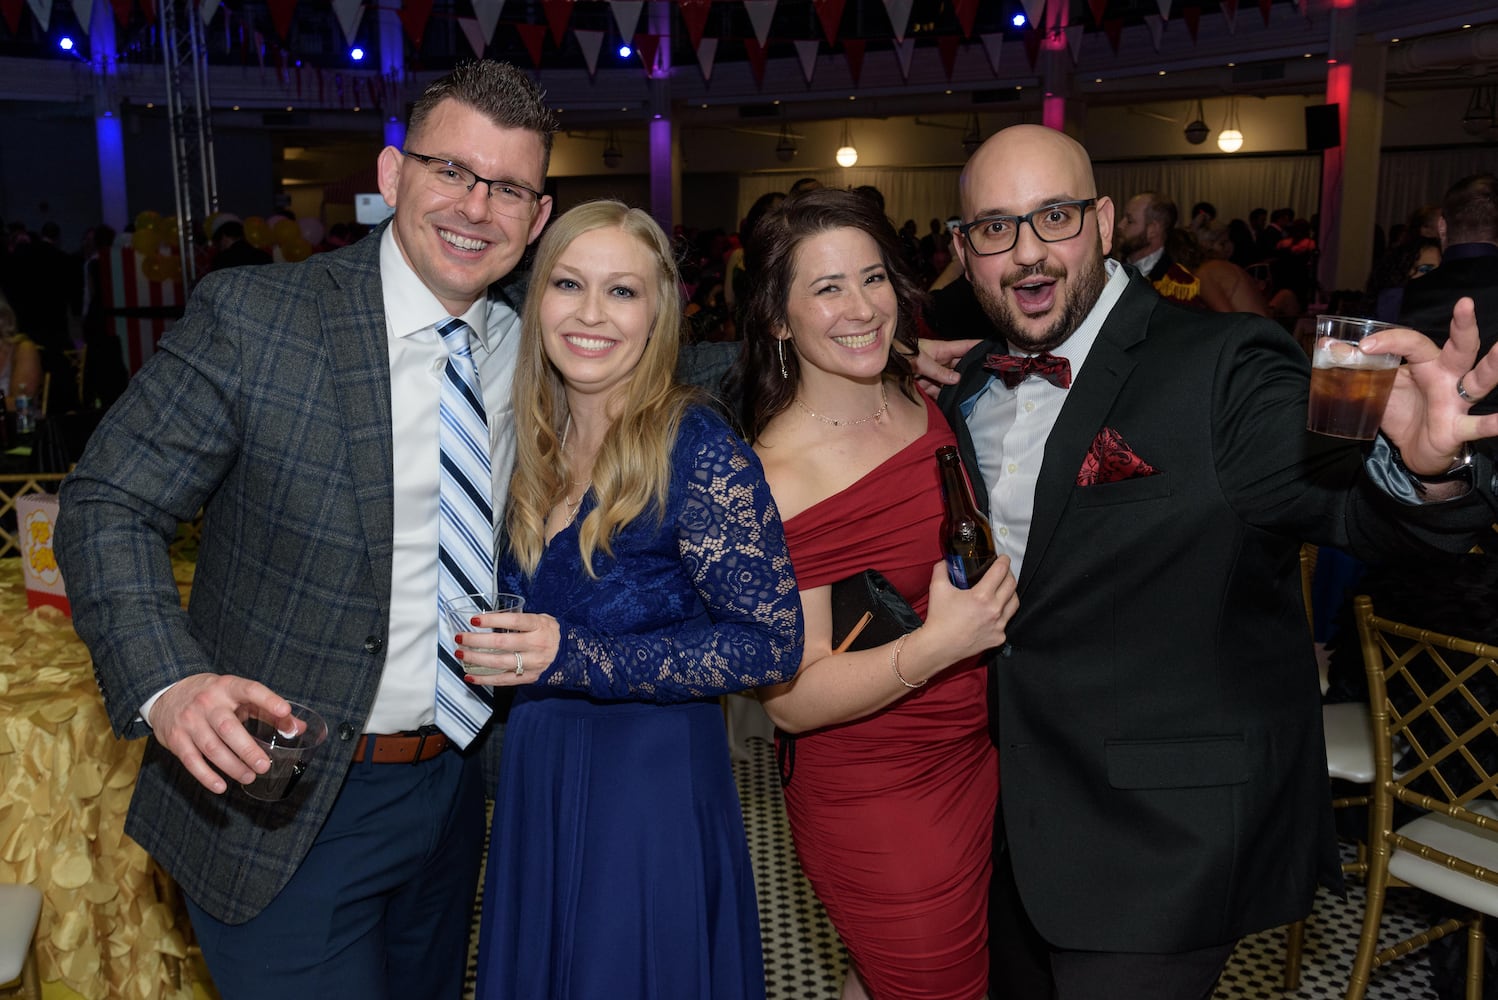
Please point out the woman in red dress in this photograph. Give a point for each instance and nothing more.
(892, 782)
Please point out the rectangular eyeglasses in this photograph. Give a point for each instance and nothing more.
(1051, 223)
(509, 198)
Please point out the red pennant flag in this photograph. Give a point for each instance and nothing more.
(831, 14)
(149, 6)
(1264, 6)
(558, 13)
(947, 46)
(1113, 28)
(122, 11)
(694, 16)
(281, 11)
(853, 51)
(1032, 45)
(1193, 15)
(1098, 7)
(757, 54)
(534, 37)
(647, 45)
(1231, 6)
(967, 13)
(11, 9)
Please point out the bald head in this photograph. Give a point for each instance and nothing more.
(1025, 162)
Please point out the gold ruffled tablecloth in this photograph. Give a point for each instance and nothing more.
(108, 928)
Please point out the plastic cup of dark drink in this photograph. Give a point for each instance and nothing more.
(1349, 389)
(287, 749)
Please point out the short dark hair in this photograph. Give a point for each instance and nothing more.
(1204, 207)
(231, 230)
(770, 260)
(498, 91)
(1286, 215)
(1161, 209)
(1470, 209)
(804, 185)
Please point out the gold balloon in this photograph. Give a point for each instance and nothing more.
(155, 267)
(147, 219)
(146, 241)
(297, 250)
(286, 232)
(256, 232)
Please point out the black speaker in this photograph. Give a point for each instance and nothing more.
(1323, 127)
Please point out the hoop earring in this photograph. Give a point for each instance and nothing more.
(780, 349)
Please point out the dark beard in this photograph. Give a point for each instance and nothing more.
(1083, 290)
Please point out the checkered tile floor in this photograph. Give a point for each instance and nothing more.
(804, 959)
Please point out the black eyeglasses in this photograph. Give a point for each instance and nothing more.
(1052, 223)
(509, 198)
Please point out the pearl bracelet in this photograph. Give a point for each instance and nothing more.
(894, 663)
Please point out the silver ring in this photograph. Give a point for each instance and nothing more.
(1462, 391)
(519, 665)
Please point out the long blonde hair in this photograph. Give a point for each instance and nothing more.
(632, 470)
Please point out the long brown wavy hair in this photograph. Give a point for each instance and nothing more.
(770, 264)
(632, 471)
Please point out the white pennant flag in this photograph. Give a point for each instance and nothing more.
(899, 16)
(627, 17)
(1228, 14)
(487, 12)
(207, 10)
(903, 51)
(41, 10)
(761, 13)
(474, 33)
(706, 53)
(1164, 6)
(1034, 11)
(349, 14)
(1157, 28)
(806, 51)
(991, 45)
(1074, 42)
(590, 42)
(83, 10)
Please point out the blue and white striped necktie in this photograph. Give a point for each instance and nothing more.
(465, 526)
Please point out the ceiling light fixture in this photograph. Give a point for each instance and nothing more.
(846, 154)
(1230, 139)
(785, 149)
(1197, 131)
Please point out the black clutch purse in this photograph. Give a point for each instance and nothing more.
(867, 611)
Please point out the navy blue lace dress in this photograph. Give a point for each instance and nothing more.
(617, 864)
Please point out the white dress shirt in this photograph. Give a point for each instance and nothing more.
(1009, 428)
(407, 694)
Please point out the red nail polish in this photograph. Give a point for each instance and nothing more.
(457, 654)
(468, 678)
(474, 622)
(458, 639)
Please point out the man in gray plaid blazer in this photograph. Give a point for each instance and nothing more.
(297, 405)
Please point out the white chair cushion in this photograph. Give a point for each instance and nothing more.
(20, 909)
(1349, 741)
(1461, 840)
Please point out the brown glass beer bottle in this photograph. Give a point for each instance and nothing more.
(966, 537)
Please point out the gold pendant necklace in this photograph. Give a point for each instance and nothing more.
(883, 408)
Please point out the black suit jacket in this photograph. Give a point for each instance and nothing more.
(1157, 710)
(1428, 302)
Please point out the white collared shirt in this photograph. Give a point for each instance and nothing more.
(1009, 428)
(1144, 265)
(407, 694)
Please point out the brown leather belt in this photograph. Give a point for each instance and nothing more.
(400, 748)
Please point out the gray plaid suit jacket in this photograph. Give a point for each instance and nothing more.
(268, 406)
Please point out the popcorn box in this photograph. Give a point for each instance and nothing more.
(36, 516)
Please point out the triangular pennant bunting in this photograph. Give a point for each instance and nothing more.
(627, 16)
(83, 10)
(903, 52)
(149, 6)
(694, 15)
(1192, 16)
(1264, 6)
(756, 53)
(1156, 26)
(487, 12)
(558, 13)
(1032, 37)
(967, 15)
(533, 37)
(646, 46)
(206, 10)
(1164, 6)
(1230, 14)
(282, 11)
(993, 43)
(830, 13)
(1113, 28)
(1097, 7)
(591, 43)
(11, 10)
(40, 9)
(349, 13)
(1034, 12)
(899, 16)
(707, 52)
(946, 47)
(121, 11)
(474, 33)
(1074, 41)
(761, 13)
(806, 52)
(853, 50)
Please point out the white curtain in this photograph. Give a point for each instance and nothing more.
(1409, 179)
(919, 193)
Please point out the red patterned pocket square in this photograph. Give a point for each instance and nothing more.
(1111, 460)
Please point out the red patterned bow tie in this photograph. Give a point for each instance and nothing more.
(1015, 368)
